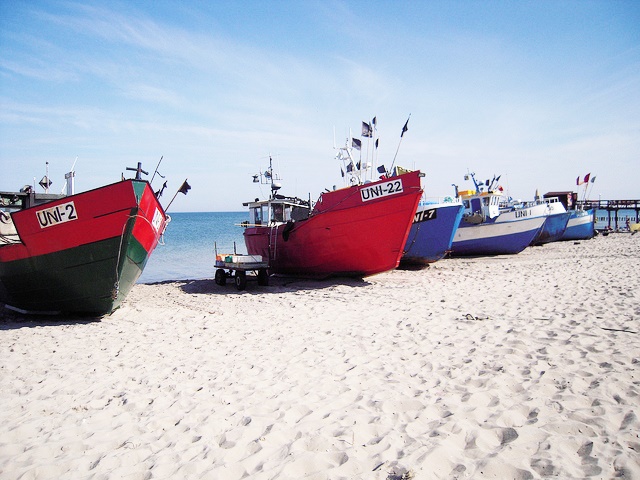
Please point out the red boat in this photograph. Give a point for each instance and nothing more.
(358, 230)
(77, 253)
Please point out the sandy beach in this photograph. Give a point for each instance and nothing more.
(518, 367)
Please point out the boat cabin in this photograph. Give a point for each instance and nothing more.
(276, 211)
(568, 199)
(25, 198)
(555, 205)
(480, 205)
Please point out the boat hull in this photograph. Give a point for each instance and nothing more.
(87, 264)
(553, 228)
(349, 233)
(495, 238)
(581, 225)
(432, 233)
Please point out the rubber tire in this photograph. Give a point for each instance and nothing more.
(263, 277)
(241, 280)
(221, 277)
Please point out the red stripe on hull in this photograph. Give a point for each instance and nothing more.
(100, 214)
(344, 236)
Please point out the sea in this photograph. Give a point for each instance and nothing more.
(191, 239)
(190, 242)
(605, 219)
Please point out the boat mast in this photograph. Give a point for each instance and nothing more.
(473, 178)
(45, 183)
(352, 175)
(275, 186)
(269, 178)
(69, 179)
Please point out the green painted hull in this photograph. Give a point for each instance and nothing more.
(82, 253)
(81, 280)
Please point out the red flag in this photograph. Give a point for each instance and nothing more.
(586, 178)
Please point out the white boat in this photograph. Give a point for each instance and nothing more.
(488, 227)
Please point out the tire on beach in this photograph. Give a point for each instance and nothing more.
(240, 280)
(221, 277)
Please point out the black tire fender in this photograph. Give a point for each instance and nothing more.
(286, 231)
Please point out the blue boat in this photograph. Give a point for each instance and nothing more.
(432, 231)
(581, 225)
(487, 229)
(555, 224)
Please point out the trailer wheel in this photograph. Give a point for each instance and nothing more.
(263, 277)
(241, 280)
(221, 277)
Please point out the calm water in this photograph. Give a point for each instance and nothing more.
(603, 220)
(188, 252)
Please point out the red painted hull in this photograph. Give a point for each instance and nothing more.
(345, 235)
(83, 252)
(100, 214)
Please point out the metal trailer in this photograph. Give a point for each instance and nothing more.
(235, 267)
(237, 271)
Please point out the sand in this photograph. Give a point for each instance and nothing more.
(524, 366)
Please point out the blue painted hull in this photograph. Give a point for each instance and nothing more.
(553, 228)
(431, 233)
(495, 238)
(581, 225)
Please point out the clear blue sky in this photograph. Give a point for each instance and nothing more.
(539, 92)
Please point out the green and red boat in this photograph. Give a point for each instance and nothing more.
(76, 253)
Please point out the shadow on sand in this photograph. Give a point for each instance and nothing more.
(277, 284)
(11, 319)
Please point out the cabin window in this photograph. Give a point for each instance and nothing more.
(257, 215)
(264, 215)
(299, 213)
(466, 204)
(287, 213)
(278, 214)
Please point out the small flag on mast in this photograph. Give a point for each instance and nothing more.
(356, 143)
(406, 127)
(366, 130)
(185, 188)
(161, 191)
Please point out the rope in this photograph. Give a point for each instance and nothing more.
(116, 285)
